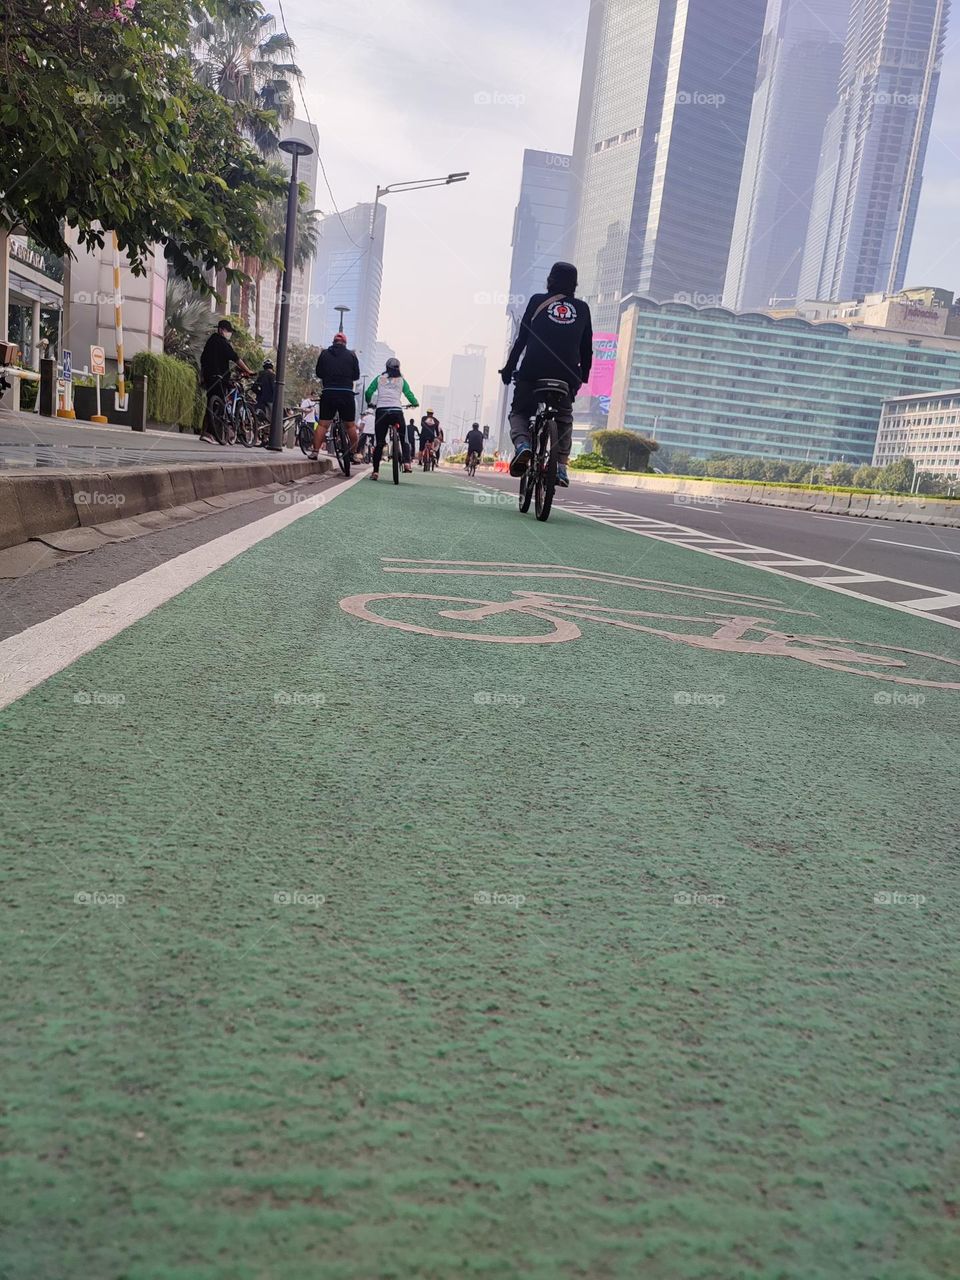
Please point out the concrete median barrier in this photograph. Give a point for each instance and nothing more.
(38, 504)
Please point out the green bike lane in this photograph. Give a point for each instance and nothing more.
(343, 950)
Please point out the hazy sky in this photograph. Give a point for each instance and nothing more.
(392, 86)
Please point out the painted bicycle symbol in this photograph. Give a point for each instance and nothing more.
(553, 618)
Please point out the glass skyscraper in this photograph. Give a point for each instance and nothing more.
(871, 167)
(664, 111)
(712, 382)
(348, 270)
(796, 90)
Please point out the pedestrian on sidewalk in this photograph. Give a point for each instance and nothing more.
(215, 361)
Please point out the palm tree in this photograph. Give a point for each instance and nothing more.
(239, 53)
(242, 56)
(188, 321)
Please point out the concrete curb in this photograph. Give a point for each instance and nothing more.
(34, 505)
(917, 510)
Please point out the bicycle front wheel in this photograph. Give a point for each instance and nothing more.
(305, 436)
(395, 454)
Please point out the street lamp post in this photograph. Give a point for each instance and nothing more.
(342, 311)
(419, 184)
(295, 148)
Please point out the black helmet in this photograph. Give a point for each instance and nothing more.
(268, 364)
(562, 278)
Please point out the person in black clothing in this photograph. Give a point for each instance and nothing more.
(411, 439)
(265, 387)
(556, 333)
(215, 361)
(474, 442)
(338, 369)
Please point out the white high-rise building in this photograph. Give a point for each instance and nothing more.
(467, 373)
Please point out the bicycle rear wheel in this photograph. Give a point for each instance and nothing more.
(305, 436)
(230, 424)
(545, 481)
(341, 445)
(395, 454)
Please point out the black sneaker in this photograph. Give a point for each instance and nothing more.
(520, 461)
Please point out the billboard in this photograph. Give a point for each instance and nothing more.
(600, 383)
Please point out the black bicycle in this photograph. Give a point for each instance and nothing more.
(341, 443)
(539, 482)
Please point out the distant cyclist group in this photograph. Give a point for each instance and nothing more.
(549, 362)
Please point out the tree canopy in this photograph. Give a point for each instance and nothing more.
(105, 126)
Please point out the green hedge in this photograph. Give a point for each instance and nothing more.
(171, 388)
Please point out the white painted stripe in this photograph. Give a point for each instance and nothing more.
(787, 564)
(915, 546)
(38, 653)
(945, 600)
(772, 567)
(853, 577)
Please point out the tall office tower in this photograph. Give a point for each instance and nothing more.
(541, 231)
(348, 271)
(796, 91)
(465, 396)
(875, 143)
(662, 126)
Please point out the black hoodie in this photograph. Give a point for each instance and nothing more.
(338, 368)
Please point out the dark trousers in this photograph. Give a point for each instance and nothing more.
(384, 420)
(524, 406)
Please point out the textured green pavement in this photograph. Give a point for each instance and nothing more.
(582, 1076)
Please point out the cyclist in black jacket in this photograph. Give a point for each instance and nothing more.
(556, 335)
(338, 369)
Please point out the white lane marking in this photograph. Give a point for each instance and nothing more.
(942, 601)
(38, 653)
(915, 546)
(917, 608)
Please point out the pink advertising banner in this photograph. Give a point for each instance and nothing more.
(604, 363)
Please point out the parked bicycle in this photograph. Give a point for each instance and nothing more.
(232, 415)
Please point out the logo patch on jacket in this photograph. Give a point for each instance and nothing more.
(562, 313)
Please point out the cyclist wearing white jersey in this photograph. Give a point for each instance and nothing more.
(386, 393)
